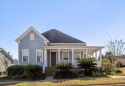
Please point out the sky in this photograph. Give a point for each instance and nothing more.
(87, 20)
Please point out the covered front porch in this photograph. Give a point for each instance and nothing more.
(63, 54)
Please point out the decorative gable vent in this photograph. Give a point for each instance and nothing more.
(31, 36)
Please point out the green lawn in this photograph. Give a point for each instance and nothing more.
(76, 82)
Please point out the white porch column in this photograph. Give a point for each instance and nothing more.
(100, 56)
(86, 53)
(72, 56)
(93, 55)
(83, 54)
(58, 55)
(96, 55)
(45, 60)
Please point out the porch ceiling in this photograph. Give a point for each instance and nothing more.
(91, 49)
(73, 47)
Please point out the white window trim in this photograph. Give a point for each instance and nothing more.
(63, 55)
(32, 35)
(78, 52)
(42, 55)
(22, 55)
(75, 57)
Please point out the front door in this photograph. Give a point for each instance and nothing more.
(53, 58)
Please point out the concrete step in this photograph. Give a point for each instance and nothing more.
(49, 71)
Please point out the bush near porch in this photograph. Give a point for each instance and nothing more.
(33, 72)
(64, 71)
(86, 66)
(29, 72)
(15, 70)
(89, 66)
(107, 67)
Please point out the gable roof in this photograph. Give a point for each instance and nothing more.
(55, 36)
(27, 31)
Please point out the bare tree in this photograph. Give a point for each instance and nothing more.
(115, 48)
(109, 55)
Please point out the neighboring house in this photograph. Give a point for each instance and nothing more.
(5, 60)
(121, 59)
(53, 47)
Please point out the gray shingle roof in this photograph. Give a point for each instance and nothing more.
(55, 36)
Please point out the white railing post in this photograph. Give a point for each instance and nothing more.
(58, 55)
(100, 56)
(96, 55)
(93, 55)
(86, 53)
(72, 56)
(45, 60)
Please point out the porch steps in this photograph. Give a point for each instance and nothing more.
(49, 71)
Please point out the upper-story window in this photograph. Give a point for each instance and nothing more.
(65, 57)
(25, 55)
(39, 55)
(32, 36)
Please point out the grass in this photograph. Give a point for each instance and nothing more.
(123, 69)
(77, 82)
(120, 74)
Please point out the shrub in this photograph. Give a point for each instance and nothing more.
(69, 75)
(64, 71)
(107, 67)
(89, 65)
(4, 72)
(100, 71)
(64, 67)
(0, 73)
(15, 70)
(18, 77)
(33, 72)
(118, 71)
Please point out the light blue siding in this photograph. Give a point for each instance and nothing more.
(32, 45)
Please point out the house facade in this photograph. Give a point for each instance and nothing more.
(52, 47)
(120, 59)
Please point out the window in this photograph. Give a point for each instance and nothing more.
(65, 56)
(25, 55)
(39, 55)
(31, 36)
(77, 55)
